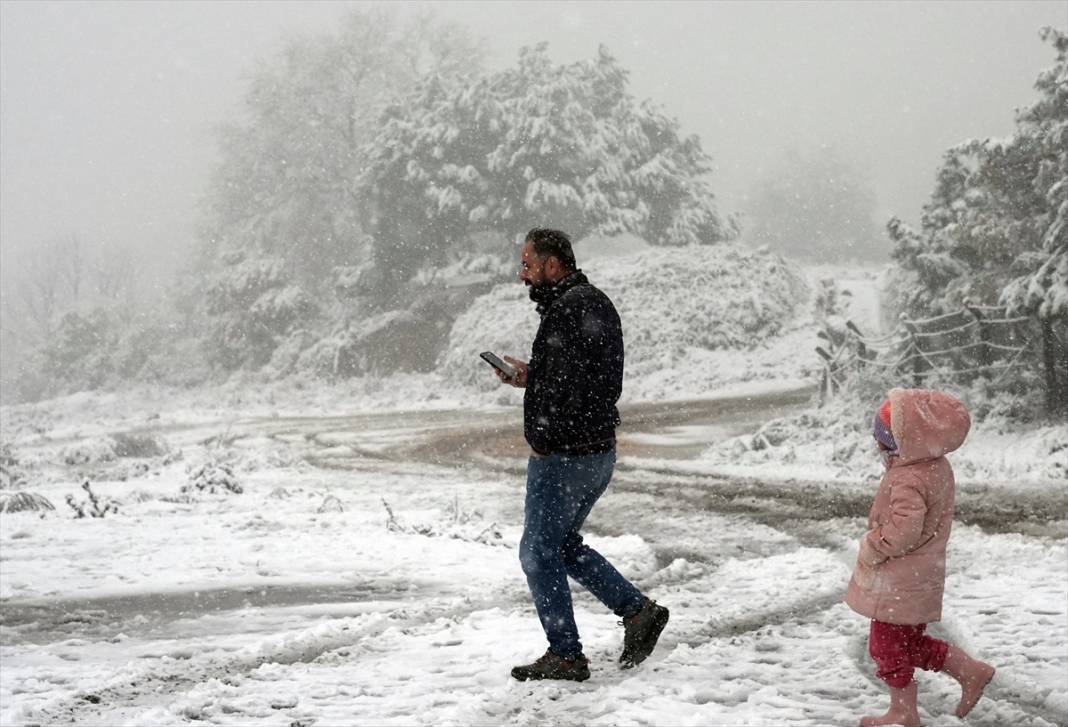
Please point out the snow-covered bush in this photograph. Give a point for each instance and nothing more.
(468, 267)
(287, 355)
(12, 475)
(79, 352)
(25, 502)
(459, 524)
(139, 496)
(1055, 442)
(128, 470)
(833, 439)
(350, 349)
(212, 477)
(1003, 409)
(330, 503)
(91, 451)
(94, 506)
(407, 339)
(138, 445)
(253, 305)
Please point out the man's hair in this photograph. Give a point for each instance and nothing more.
(553, 243)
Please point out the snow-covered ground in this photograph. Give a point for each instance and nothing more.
(367, 573)
(303, 601)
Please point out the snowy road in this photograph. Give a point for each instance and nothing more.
(301, 602)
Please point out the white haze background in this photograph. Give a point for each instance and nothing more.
(109, 107)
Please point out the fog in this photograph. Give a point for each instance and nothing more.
(110, 111)
(108, 108)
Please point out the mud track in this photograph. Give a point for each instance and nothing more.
(496, 443)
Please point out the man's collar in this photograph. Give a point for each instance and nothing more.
(545, 295)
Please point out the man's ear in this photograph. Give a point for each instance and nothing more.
(553, 268)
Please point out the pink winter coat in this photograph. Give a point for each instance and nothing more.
(901, 567)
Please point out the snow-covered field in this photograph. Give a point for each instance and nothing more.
(367, 573)
(302, 601)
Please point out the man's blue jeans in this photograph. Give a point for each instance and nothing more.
(561, 491)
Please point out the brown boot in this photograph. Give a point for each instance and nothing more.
(902, 710)
(551, 666)
(640, 633)
(972, 674)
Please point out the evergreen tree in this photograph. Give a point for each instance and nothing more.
(996, 228)
(253, 306)
(540, 143)
(1042, 289)
(990, 232)
(284, 212)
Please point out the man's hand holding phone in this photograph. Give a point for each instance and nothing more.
(509, 371)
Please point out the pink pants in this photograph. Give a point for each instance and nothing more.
(898, 648)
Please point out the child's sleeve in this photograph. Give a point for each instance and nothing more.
(903, 530)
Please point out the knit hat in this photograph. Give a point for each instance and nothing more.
(882, 426)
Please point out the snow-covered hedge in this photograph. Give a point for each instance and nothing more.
(835, 443)
(675, 303)
(12, 475)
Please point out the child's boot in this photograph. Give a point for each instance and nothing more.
(972, 674)
(902, 710)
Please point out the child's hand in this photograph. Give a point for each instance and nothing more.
(868, 555)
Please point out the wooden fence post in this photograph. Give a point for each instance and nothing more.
(858, 341)
(827, 382)
(984, 347)
(1056, 381)
(912, 348)
(1062, 358)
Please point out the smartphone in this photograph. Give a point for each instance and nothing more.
(495, 361)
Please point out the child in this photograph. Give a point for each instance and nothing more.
(901, 567)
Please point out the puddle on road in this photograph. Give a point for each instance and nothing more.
(680, 429)
(680, 442)
(168, 614)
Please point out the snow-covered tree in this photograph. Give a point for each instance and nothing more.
(815, 205)
(1042, 288)
(539, 143)
(992, 222)
(284, 211)
(995, 229)
(66, 306)
(1043, 129)
(253, 306)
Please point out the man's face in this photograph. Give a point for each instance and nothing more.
(532, 268)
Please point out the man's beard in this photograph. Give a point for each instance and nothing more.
(538, 291)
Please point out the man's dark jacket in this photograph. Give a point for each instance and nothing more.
(575, 373)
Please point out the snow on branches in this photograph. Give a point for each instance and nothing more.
(535, 142)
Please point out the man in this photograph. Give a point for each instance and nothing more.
(572, 382)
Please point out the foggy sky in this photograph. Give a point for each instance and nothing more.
(107, 109)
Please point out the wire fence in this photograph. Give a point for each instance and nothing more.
(962, 345)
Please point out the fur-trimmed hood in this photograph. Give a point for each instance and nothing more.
(926, 424)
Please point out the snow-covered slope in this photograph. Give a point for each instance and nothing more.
(695, 320)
